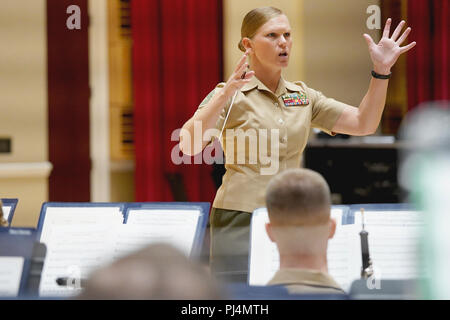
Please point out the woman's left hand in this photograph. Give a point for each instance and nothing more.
(386, 52)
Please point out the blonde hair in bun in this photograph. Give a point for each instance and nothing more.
(254, 19)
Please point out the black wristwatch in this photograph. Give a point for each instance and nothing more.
(381, 76)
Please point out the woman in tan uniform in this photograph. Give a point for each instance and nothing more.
(263, 122)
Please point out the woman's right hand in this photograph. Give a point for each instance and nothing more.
(238, 79)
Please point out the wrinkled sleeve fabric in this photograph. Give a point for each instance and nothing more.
(223, 113)
(325, 111)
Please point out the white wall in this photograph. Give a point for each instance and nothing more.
(23, 106)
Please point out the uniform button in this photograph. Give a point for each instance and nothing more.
(283, 140)
(280, 121)
(276, 104)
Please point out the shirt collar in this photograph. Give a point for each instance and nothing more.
(281, 90)
(254, 82)
(288, 276)
(292, 86)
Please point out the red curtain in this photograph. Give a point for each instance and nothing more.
(177, 60)
(428, 62)
(68, 103)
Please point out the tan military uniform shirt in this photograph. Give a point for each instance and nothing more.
(274, 135)
(306, 281)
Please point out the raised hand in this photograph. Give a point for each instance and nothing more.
(386, 52)
(238, 79)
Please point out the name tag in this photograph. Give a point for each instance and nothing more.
(295, 99)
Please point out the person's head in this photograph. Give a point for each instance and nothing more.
(298, 203)
(266, 33)
(158, 271)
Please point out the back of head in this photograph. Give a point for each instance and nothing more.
(298, 204)
(158, 272)
(298, 197)
(254, 19)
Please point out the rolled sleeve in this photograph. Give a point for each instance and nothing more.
(222, 115)
(325, 111)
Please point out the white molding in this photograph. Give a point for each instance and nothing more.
(25, 169)
(99, 103)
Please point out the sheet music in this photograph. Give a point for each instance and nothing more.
(76, 249)
(393, 243)
(390, 218)
(77, 239)
(264, 257)
(6, 212)
(79, 215)
(177, 227)
(344, 255)
(163, 217)
(10, 274)
(130, 238)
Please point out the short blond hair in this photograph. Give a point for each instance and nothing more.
(254, 19)
(298, 197)
(157, 271)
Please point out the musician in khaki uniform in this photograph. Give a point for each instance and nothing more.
(263, 123)
(298, 204)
